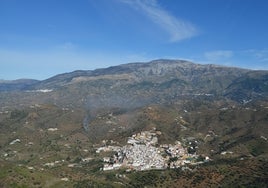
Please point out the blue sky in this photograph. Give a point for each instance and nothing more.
(41, 38)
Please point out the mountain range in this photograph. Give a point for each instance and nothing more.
(223, 110)
(158, 79)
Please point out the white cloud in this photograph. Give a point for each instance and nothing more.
(178, 29)
(261, 55)
(219, 55)
(67, 46)
(250, 59)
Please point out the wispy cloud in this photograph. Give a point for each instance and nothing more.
(256, 59)
(261, 55)
(178, 29)
(219, 55)
(67, 46)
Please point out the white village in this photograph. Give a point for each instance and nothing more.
(143, 152)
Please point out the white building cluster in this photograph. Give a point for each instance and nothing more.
(142, 153)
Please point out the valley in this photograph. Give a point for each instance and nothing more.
(166, 123)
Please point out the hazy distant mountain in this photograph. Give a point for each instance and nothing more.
(158, 71)
(155, 81)
(16, 85)
(253, 84)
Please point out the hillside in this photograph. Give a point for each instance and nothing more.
(51, 130)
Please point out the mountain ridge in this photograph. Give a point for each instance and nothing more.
(155, 66)
(126, 66)
(165, 79)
